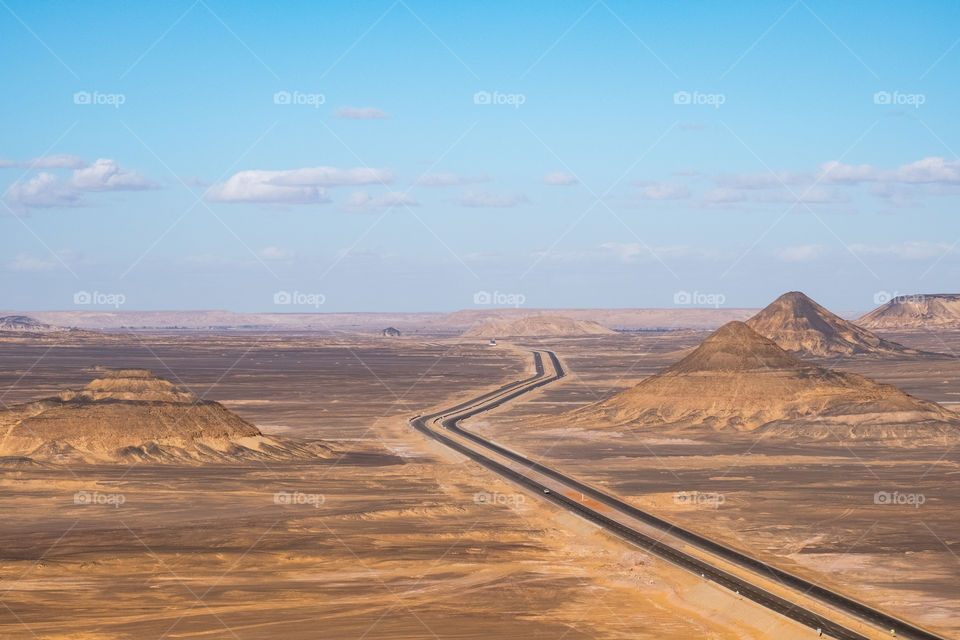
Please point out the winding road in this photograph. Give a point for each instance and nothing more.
(810, 604)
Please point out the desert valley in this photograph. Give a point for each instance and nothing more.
(261, 483)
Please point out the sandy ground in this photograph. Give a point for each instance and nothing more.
(388, 541)
(811, 509)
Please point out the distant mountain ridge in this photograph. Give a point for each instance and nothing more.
(930, 311)
(374, 322)
(538, 326)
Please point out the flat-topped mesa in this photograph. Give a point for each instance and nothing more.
(128, 373)
(538, 326)
(798, 324)
(131, 416)
(917, 311)
(132, 385)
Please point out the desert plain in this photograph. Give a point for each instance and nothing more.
(390, 535)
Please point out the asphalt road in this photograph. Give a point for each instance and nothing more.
(449, 419)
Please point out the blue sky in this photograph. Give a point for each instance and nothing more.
(207, 155)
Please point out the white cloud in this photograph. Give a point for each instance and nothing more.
(761, 180)
(43, 191)
(59, 161)
(560, 179)
(254, 186)
(723, 196)
(106, 175)
(638, 251)
(802, 253)
(325, 176)
(929, 170)
(663, 191)
(24, 263)
(834, 172)
(28, 264)
(359, 113)
(361, 201)
(276, 253)
(814, 195)
(449, 180)
(909, 250)
(295, 186)
(486, 199)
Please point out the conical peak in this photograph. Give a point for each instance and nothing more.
(736, 347)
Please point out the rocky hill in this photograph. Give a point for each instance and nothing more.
(738, 380)
(132, 416)
(798, 324)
